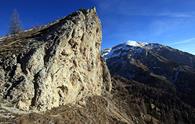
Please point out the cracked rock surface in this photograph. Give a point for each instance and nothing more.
(54, 65)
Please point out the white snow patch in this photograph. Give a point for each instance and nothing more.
(135, 43)
(105, 52)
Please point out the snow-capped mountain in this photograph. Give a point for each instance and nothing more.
(155, 65)
(118, 49)
(135, 46)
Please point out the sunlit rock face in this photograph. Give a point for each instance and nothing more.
(54, 65)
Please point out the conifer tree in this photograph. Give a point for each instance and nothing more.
(15, 25)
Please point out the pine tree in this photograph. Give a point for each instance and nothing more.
(15, 26)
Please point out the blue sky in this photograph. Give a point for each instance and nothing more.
(168, 22)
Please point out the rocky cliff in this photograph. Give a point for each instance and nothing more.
(54, 65)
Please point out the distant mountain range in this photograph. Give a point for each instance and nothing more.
(154, 65)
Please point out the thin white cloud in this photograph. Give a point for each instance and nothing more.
(160, 27)
(176, 14)
(157, 13)
(190, 40)
(127, 8)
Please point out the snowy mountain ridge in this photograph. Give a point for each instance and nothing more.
(155, 65)
(123, 48)
(135, 43)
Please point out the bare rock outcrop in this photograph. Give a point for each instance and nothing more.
(54, 65)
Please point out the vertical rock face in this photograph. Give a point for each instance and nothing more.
(54, 65)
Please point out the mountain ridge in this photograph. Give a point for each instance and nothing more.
(156, 65)
(142, 44)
